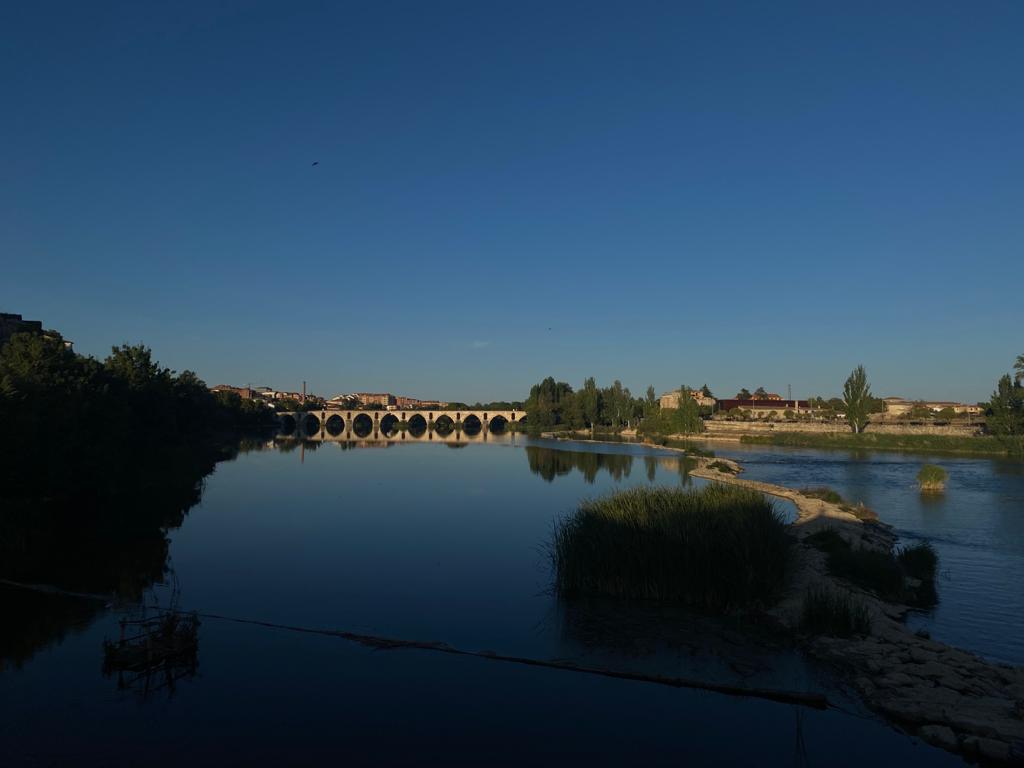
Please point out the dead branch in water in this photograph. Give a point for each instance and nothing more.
(800, 698)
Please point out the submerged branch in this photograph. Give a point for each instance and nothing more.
(800, 698)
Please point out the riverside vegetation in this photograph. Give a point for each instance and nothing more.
(932, 478)
(99, 460)
(554, 405)
(717, 548)
(76, 427)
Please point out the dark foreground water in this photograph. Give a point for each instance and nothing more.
(977, 526)
(421, 541)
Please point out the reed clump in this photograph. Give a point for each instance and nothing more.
(826, 494)
(716, 548)
(919, 561)
(904, 576)
(721, 466)
(833, 612)
(932, 478)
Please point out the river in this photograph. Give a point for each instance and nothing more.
(448, 543)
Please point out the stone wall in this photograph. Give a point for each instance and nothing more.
(736, 429)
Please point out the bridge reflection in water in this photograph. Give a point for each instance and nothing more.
(453, 427)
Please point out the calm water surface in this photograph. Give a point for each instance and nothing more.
(428, 542)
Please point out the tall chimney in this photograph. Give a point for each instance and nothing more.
(303, 391)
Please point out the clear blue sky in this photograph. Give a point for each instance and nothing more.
(741, 194)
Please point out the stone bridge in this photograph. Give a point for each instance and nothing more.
(359, 424)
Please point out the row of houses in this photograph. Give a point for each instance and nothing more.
(900, 406)
(11, 323)
(772, 403)
(383, 400)
(262, 393)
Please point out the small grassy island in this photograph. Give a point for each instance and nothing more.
(932, 479)
(717, 548)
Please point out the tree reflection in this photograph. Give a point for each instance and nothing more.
(550, 463)
(113, 545)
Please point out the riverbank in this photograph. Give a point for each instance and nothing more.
(870, 441)
(944, 695)
(948, 697)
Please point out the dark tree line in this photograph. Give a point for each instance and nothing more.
(76, 426)
(554, 404)
(1005, 411)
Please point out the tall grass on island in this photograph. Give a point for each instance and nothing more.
(717, 548)
(877, 441)
(832, 612)
(932, 478)
(825, 493)
(906, 575)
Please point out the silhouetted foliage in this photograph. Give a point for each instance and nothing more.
(1005, 414)
(74, 426)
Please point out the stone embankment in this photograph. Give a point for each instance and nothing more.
(715, 429)
(946, 696)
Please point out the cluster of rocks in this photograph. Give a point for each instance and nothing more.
(948, 697)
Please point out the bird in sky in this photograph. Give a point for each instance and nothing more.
(316, 163)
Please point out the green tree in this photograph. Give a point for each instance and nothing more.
(920, 411)
(589, 399)
(743, 394)
(651, 402)
(1006, 414)
(760, 393)
(706, 391)
(856, 397)
(544, 407)
(133, 366)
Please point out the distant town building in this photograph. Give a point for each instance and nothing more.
(671, 399)
(243, 392)
(763, 406)
(900, 406)
(11, 324)
(383, 400)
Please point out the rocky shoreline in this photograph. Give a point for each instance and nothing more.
(946, 696)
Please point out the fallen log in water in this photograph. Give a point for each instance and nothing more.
(800, 698)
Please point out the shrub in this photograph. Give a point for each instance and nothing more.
(823, 493)
(920, 561)
(931, 478)
(858, 510)
(719, 547)
(828, 612)
(883, 573)
(721, 466)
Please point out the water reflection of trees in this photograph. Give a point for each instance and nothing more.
(115, 545)
(550, 463)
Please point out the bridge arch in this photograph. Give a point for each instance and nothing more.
(287, 423)
(389, 424)
(497, 424)
(472, 424)
(310, 424)
(417, 425)
(444, 424)
(334, 425)
(362, 425)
